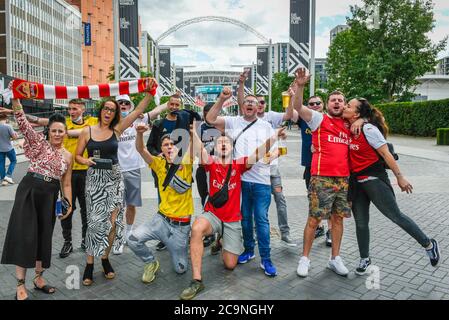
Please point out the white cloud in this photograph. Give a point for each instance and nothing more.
(219, 41)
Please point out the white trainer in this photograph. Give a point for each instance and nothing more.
(118, 251)
(9, 180)
(5, 183)
(338, 266)
(303, 267)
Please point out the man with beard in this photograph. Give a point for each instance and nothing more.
(275, 119)
(330, 173)
(249, 132)
(223, 218)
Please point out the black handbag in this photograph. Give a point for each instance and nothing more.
(219, 198)
(65, 204)
(104, 164)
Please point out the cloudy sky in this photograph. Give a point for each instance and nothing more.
(215, 45)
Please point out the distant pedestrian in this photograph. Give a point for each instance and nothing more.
(6, 151)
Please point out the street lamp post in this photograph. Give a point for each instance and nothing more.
(157, 47)
(312, 49)
(270, 66)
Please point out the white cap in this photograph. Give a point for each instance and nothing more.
(122, 97)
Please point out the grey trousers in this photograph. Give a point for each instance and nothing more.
(381, 195)
(279, 198)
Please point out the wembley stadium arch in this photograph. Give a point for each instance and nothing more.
(200, 78)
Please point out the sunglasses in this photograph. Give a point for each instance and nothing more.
(262, 102)
(126, 103)
(251, 102)
(107, 109)
(314, 103)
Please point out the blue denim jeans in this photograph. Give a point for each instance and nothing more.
(174, 237)
(11, 155)
(256, 199)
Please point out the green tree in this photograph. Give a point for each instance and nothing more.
(280, 83)
(381, 62)
(136, 97)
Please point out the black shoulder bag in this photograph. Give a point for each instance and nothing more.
(220, 197)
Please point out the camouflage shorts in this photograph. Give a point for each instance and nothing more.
(328, 195)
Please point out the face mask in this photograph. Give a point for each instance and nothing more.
(124, 113)
(78, 120)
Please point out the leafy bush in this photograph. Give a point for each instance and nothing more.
(416, 118)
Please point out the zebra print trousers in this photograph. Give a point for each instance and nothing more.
(104, 194)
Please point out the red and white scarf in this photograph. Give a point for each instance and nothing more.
(22, 89)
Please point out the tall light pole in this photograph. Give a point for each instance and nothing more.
(116, 27)
(270, 66)
(312, 48)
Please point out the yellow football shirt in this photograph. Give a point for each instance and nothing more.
(71, 143)
(174, 204)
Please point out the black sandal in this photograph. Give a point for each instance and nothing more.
(107, 269)
(46, 288)
(88, 277)
(20, 282)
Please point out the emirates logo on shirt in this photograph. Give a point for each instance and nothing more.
(342, 138)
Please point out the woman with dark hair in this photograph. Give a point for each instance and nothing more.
(30, 229)
(104, 184)
(369, 153)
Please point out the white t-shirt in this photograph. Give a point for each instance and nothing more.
(315, 121)
(128, 157)
(247, 143)
(374, 136)
(275, 119)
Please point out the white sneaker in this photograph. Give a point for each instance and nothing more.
(118, 251)
(5, 183)
(338, 266)
(303, 267)
(9, 180)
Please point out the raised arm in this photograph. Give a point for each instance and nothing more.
(140, 146)
(31, 119)
(262, 150)
(301, 80)
(126, 122)
(212, 117)
(157, 111)
(25, 127)
(198, 147)
(241, 90)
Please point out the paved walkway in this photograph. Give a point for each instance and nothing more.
(404, 269)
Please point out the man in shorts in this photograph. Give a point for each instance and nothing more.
(226, 219)
(330, 173)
